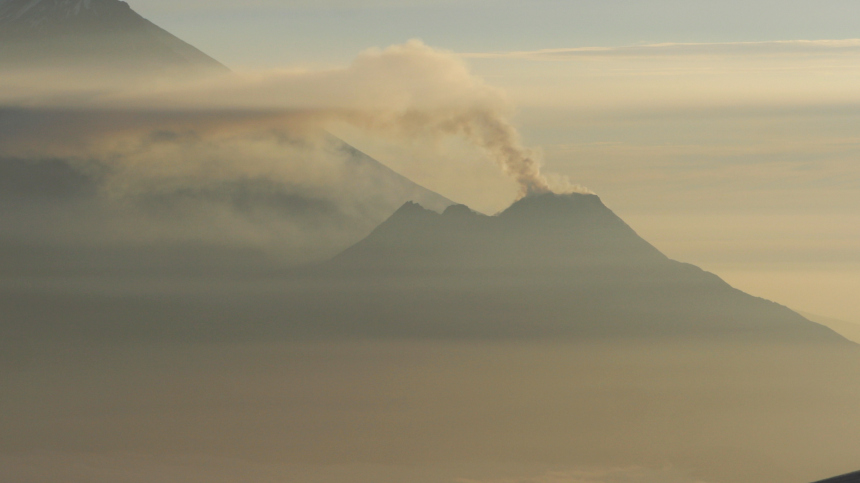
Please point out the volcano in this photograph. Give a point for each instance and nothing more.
(99, 36)
(551, 332)
(550, 265)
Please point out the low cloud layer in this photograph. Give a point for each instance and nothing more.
(243, 160)
(404, 92)
(420, 411)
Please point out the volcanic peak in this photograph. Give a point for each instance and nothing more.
(78, 36)
(553, 231)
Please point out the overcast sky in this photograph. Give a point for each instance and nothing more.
(271, 32)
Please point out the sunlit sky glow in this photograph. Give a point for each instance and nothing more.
(272, 32)
(724, 132)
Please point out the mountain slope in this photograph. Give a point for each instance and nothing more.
(377, 181)
(75, 216)
(544, 232)
(106, 35)
(849, 330)
(551, 265)
(625, 359)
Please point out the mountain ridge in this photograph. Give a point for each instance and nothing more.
(568, 229)
(63, 195)
(560, 265)
(103, 35)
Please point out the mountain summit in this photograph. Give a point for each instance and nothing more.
(546, 232)
(559, 265)
(106, 35)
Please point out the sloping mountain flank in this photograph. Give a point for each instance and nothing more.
(105, 36)
(536, 234)
(67, 216)
(549, 264)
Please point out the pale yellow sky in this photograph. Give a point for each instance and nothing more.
(742, 158)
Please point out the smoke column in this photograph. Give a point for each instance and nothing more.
(403, 91)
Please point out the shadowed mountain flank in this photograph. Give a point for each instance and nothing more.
(103, 35)
(551, 265)
(73, 216)
(549, 334)
(539, 233)
(557, 266)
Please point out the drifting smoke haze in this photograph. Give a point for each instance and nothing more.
(420, 411)
(243, 161)
(404, 92)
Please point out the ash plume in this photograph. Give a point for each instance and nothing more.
(482, 126)
(402, 92)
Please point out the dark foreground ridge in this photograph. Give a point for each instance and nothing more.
(849, 478)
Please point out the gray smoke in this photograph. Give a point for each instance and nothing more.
(404, 92)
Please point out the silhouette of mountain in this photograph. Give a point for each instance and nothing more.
(551, 265)
(537, 233)
(849, 330)
(614, 354)
(82, 35)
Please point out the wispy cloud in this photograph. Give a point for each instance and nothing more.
(783, 47)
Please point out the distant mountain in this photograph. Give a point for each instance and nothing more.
(382, 184)
(849, 330)
(550, 264)
(536, 234)
(64, 216)
(106, 35)
(550, 334)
